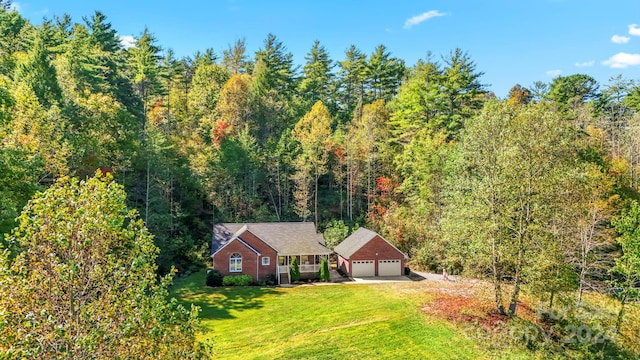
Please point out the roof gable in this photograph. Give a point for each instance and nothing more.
(223, 234)
(239, 239)
(357, 240)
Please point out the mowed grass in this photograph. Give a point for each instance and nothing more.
(381, 321)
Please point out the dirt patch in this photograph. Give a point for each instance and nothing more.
(464, 310)
(468, 306)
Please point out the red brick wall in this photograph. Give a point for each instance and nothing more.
(265, 251)
(378, 249)
(251, 263)
(249, 259)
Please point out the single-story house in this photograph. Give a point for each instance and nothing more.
(260, 249)
(366, 253)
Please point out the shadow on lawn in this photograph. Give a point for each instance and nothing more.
(219, 303)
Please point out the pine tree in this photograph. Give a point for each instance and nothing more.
(317, 76)
(37, 72)
(324, 275)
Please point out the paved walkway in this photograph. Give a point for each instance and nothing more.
(380, 280)
(336, 279)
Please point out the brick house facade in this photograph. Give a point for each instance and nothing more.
(264, 249)
(258, 263)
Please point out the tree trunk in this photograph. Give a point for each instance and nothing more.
(623, 302)
(316, 199)
(517, 279)
(497, 278)
(146, 195)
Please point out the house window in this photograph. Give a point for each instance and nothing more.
(235, 263)
(266, 261)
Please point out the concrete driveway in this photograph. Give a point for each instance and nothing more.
(380, 279)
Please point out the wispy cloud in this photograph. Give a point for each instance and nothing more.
(554, 73)
(127, 41)
(622, 60)
(586, 63)
(618, 39)
(634, 30)
(422, 18)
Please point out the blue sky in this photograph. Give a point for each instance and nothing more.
(511, 41)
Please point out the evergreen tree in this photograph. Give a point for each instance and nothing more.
(294, 270)
(351, 82)
(37, 72)
(317, 76)
(324, 273)
(12, 26)
(419, 102)
(463, 94)
(273, 89)
(384, 74)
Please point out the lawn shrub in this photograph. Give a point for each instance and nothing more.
(294, 270)
(270, 279)
(237, 280)
(214, 278)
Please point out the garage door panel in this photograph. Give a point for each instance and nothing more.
(361, 268)
(389, 268)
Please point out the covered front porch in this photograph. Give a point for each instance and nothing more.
(309, 266)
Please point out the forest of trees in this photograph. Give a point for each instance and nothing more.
(538, 189)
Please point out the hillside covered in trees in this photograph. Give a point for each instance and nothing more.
(537, 189)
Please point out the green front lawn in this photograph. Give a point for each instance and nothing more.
(381, 321)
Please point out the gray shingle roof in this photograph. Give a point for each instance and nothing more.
(355, 241)
(287, 238)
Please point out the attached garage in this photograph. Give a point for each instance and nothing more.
(363, 268)
(365, 253)
(389, 267)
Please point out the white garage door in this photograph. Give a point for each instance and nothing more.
(363, 268)
(389, 268)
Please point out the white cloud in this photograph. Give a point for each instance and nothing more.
(15, 6)
(127, 41)
(622, 60)
(634, 30)
(586, 63)
(421, 18)
(554, 73)
(617, 39)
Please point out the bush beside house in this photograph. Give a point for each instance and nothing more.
(324, 271)
(237, 280)
(294, 271)
(214, 278)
